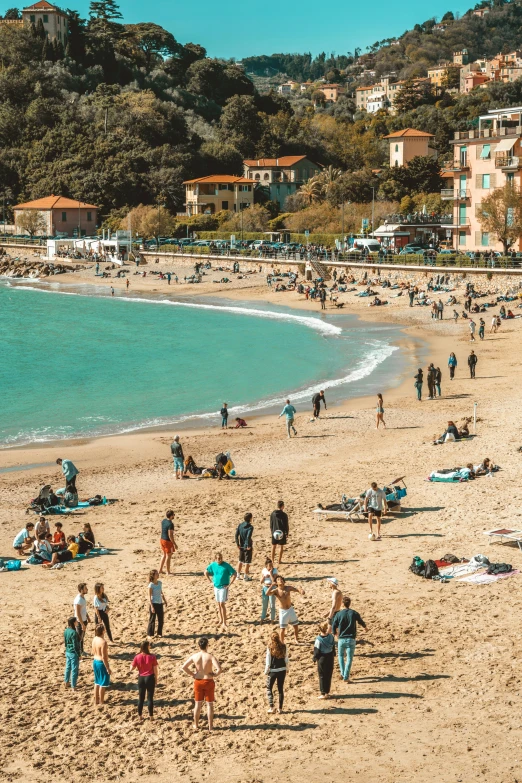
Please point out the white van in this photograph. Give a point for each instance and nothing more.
(372, 245)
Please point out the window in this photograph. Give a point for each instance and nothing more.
(45, 18)
(224, 205)
(396, 162)
(484, 240)
(33, 18)
(463, 156)
(486, 181)
(396, 148)
(257, 176)
(486, 152)
(64, 217)
(462, 238)
(266, 176)
(89, 217)
(510, 179)
(462, 214)
(245, 188)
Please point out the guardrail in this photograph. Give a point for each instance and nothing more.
(7, 239)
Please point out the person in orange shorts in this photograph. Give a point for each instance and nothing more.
(167, 543)
(203, 667)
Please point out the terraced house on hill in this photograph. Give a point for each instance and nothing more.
(485, 158)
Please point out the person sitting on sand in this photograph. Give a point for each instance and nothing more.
(23, 542)
(43, 548)
(59, 541)
(240, 423)
(451, 433)
(485, 468)
(86, 540)
(66, 555)
(192, 468)
(42, 528)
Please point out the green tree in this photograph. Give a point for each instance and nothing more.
(500, 214)
(413, 93)
(32, 221)
(240, 124)
(104, 11)
(75, 36)
(153, 41)
(13, 13)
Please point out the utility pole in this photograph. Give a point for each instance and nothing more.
(373, 210)
(79, 220)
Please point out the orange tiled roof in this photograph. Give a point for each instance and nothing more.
(54, 202)
(44, 5)
(410, 133)
(286, 160)
(224, 178)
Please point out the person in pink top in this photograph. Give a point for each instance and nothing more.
(147, 666)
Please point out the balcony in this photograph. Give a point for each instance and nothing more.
(454, 221)
(488, 133)
(449, 194)
(418, 219)
(508, 162)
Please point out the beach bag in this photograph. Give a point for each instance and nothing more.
(499, 568)
(430, 569)
(13, 565)
(417, 566)
(451, 559)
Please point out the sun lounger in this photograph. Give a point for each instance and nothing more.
(504, 534)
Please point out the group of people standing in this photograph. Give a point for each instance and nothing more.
(434, 375)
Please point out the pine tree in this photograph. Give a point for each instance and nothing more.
(106, 10)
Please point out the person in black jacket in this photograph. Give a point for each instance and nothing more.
(279, 530)
(324, 653)
(472, 363)
(419, 377)
(244, 544)
(431, 381)
(345, 626)
(316, 402)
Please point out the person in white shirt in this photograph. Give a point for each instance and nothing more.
(101, 608)
(80, 613)
(44, 548)
(268, 575)
(374, 503)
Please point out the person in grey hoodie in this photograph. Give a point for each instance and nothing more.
(289, 411)
(244, 544)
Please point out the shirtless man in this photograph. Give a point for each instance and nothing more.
(203, 667)
(100, 665)
(287, 614)
(337, 598)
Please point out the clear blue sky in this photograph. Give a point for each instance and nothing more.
(238, 29)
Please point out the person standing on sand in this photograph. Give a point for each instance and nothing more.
(157, 601)
(287, 613)
(482, 326)
(221, 575)
(70, 471)
(203, 667)
(289, 411)
(112, 291)
(127, 283)
(224, 416)
(80, 614)
(100, 665)
(493, 325)
(380, 411)
(374, 502)
(472, 327)
(167, 543)
(431, 381)
(268, 576)
(72, 654)
(177, 457)
(337, 598)
(472, 363)
(316, 403)
(438, 380)
(101, 608)
(276, 666)
(345, 626)
(243, 537)
(147, 666)
(418, 383)
(279, 529)
(324, 653)
(452, 364)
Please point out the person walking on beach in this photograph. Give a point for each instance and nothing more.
(101, 608)
(316, 403)
(147, 667)
(167, 543)
(244, 545)
(345, 627)
(224, 416)
(472, 327)
(324, 653)
(411, 294)
(80, 614)
(221, 575)
(452, 364)
(100, 665)
(493, 325)
(374, 504)
(276, 666)
(289, 411)
(268, 576)
(112, 291)
(70, 471)
(431, 381)
(322, 298)
(279, 529)
(482, 326)
(438, 380)
(380, 411)
(177, 457)
(472, 363)
(440, 310)
(72, 654)
(157, 604)
(287, 613)
(337, 597)
(203, 667)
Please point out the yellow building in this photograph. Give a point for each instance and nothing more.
(406, 144)
(206, 195)
(54, 20)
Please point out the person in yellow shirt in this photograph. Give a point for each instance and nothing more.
(67, 554)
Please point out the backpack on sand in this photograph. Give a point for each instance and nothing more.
(430, 569)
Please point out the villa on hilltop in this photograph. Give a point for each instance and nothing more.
(54, 20)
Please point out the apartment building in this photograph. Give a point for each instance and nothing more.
(501, 68)
(485, 158)
(282, 176)
(379, 96)
(289, 88)
(207, 195)
(331, 92)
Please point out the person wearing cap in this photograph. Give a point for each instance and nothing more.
(337, 598)
(178, 458)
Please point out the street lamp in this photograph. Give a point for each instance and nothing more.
(373, 209)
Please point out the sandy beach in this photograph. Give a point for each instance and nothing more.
(436, 676)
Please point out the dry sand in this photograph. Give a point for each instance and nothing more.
(436, 676)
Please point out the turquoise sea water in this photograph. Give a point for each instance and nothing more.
(75, 364)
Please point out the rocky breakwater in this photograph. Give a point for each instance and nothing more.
(25, 268)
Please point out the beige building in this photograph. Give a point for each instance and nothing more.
(283, 176)
(377, 96)
(207, 195)
(406, 144)
(485, 158)
(64, 216)
(331, 92)
(54, 20)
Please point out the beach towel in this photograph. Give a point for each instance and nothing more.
(460, 569)
(450, 476)
(486, 579)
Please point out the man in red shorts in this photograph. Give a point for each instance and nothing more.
(203, 667)
(167, 543)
